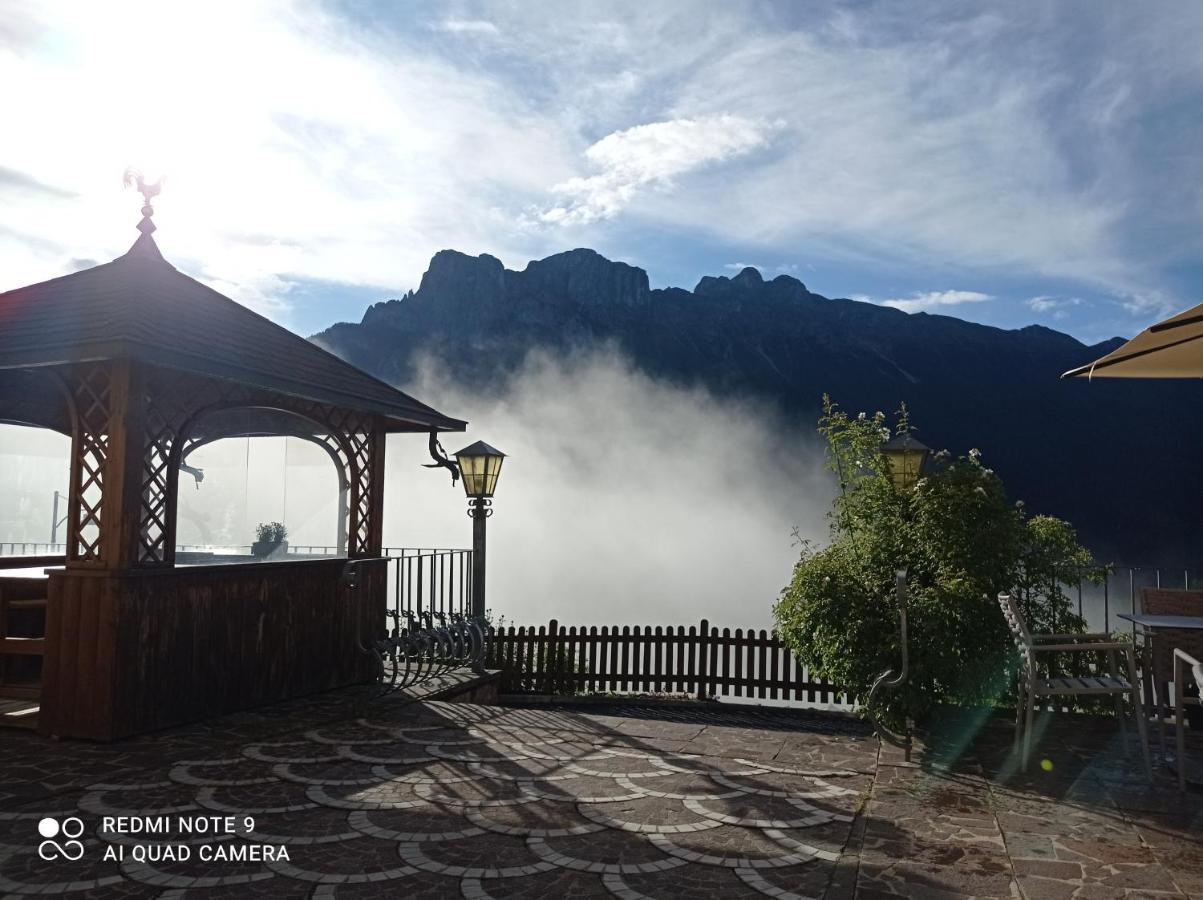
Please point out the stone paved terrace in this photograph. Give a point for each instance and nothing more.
(427, 799)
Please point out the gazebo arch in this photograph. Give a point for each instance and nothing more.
(198, 432)
(132, 358)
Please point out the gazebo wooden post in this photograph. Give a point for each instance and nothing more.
(378, 443)
(121, 520)
(79, 674)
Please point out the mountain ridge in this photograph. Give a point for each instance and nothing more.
(967, 384)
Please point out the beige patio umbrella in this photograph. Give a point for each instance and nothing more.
(1169, 349)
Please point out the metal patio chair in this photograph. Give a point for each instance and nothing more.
(1184, 662)
(1033, 686)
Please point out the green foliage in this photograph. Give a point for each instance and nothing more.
(1053, 557)
(271, 532)
(961, 542)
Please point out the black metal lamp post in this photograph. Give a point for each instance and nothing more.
(479, 465)
(905, 454)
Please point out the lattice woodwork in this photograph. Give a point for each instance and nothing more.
(171, 405)
(359, 539)
(155, 531)
(91, 390)
(177, 402)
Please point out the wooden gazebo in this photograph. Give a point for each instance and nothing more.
(139, 364)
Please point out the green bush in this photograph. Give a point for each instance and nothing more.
(270, 532)
(961, 542)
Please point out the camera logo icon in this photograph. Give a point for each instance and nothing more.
(70, 828)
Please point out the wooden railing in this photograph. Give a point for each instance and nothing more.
(701, 661)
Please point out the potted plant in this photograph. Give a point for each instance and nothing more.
(269, 540)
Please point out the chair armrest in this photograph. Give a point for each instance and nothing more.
(1070, 648)
(1094, 636)
(1182, 660)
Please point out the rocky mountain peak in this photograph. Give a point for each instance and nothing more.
(749, 276)
(970, 385)
(585, 276)
(458, 276)
(747, 281)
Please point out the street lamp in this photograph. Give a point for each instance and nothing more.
(479, 466)
(905, 455)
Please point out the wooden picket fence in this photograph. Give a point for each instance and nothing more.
(701, 661)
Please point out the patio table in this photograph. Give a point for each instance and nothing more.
(1151, 624)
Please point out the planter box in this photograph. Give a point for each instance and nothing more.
(268, 549)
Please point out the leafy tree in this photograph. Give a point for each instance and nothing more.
(1052, 558)
(961, 542)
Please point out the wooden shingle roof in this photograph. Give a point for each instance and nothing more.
(141, 307)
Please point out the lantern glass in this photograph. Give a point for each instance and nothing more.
(480, 466)
(905, 456)
(905, 466)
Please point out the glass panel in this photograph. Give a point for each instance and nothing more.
(256, 481)
(35, 467)
(472, 470)
(493, 469)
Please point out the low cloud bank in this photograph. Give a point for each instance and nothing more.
(625, 500)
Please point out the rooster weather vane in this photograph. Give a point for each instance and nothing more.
(148, 190)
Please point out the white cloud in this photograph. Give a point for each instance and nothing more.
(919, 302)
(314, 151)
(353, 146)
(739, 267)
(651, 155)
(960, 136)
(1057, 307)
(1151, 303)
(467, 26)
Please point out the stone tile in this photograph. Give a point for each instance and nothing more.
(954, 873)
(431, 799)
(1179, 849)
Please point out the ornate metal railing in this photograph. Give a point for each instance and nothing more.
(46, 548)
(430, 626)
(31, 548)
(424, 647)
(1098, 593)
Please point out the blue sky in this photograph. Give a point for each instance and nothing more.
(1010, 163)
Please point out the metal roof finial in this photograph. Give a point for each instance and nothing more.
(147, 190)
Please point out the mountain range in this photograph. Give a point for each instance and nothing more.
(1119, 459)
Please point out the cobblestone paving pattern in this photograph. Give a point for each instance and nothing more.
(432, 800)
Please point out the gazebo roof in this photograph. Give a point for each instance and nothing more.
(141, 307)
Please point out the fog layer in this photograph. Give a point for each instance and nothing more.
(624, 499)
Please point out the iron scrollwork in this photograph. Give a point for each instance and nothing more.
(480, 508)
(421, 644)
(424, 646)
